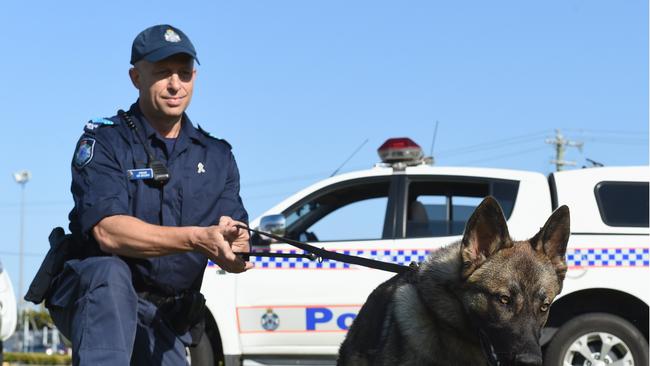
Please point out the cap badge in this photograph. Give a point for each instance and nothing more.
(171, 36)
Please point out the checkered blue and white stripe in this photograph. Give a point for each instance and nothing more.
(600, 257)
(609, 257)
(404, 257)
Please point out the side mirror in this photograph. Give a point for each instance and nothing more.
(274, 224)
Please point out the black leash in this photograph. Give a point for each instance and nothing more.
(320, 254)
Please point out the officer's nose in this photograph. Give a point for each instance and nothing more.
(174, 83)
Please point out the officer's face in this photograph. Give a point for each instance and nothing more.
(165, 86)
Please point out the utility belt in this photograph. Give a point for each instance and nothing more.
(184, 312)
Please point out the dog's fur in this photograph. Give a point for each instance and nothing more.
(481, 301)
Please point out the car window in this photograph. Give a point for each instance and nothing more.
(440, 207)
(623, 203)
(360, 220)
(351, 212)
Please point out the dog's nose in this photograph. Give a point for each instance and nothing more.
(528, 359)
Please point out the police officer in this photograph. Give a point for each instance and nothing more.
(155, 198)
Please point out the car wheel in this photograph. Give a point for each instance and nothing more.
(597, 339)
(202, 354)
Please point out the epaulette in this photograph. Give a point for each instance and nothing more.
(207, 134)
(97, 123)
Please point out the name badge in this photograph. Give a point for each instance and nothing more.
(140, 174)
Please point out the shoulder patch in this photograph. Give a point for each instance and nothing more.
(96, 123)
(206, 133)
(84, 153)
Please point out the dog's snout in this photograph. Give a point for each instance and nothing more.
(528, 359)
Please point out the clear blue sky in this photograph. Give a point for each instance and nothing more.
(296, 86)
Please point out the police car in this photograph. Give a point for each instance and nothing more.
(290, 311)
(8, 310)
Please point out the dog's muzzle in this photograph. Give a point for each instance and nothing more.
(495, 358)
(488, 349)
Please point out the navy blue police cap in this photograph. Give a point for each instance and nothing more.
(159, 42)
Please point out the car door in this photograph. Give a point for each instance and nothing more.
(300, 306)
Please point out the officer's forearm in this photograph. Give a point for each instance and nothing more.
(132, 237)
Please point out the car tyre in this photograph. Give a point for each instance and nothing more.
(583, 340)
(202, 354)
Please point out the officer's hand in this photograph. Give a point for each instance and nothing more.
(212, 243)
(239, 239)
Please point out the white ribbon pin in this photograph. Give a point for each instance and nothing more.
(200, 168)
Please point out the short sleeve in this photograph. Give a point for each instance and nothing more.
(230, 203)
(99, 182)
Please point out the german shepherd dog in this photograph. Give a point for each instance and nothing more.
(480, 301)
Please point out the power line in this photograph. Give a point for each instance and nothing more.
(618, 141)
(510, 154)
(294, 178)
(282, 180)
(270, 195)
(611, 132)
(496, 144)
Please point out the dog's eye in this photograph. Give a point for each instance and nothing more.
(544, 307)
(504, 299)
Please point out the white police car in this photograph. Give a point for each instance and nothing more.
(290, 311)
(8, 310)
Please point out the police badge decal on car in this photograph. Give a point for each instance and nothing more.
(270, 320)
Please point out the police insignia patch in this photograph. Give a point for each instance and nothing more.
(84, 152)
(171, 36)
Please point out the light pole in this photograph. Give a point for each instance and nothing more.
(22, 177)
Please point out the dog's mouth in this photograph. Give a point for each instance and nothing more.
(488, 349)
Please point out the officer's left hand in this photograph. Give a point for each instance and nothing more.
(238, 238)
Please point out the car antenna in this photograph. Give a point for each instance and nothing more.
(595, 163)
(348, 159)
(433, 141)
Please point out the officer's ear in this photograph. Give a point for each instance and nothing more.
(134, 74)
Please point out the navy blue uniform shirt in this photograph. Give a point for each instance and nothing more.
(204, 186)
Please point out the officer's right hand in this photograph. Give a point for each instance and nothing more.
(212, 243)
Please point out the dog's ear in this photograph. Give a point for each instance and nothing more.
(552, 239)
(486, 232)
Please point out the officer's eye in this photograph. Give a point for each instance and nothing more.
(185, 75)
(504, 299)
(161, 73)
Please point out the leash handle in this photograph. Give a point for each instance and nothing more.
(326, 254)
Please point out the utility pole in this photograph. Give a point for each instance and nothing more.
(560, 147)
(21, 177)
